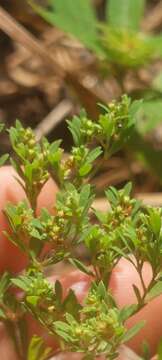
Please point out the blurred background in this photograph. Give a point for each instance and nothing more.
(59, 56)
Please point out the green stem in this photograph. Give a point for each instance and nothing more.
(139, 269)
(142, 303)
(33, 201)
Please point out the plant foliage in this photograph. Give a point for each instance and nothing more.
(120, 47)
(129, 229)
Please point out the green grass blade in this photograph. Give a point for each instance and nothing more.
(76, 18)
(125, 13)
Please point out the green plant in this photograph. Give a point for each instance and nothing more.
(120, 47)
(4, 157)
(128, 230)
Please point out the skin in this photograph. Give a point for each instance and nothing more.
(125, 354)
(123, 276)
(11, 258)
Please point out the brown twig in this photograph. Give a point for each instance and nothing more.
(53, 118)
(153, 19)
(18, 33)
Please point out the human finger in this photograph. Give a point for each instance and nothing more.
(11, 258)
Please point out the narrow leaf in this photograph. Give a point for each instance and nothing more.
(73, 17)
(137, 293)
(155, 291)
(125, 13)
(79, 265)
(133, 331)
(37, 350)
(3, 159)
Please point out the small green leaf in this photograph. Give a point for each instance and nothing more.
(101, 216)
(79, 265)
(146, 354)
(137, 293)
(3, 159)
(127, 189)
(84, 194)
(85, 169)
(16, 241)
(133, 331)
(4, 283)
(66, 15)
(94, 154)
(62, 329)
(102, 291)
(112, 195)
(16, 166)
(155, 291)
(155, 221)
(127, 312)
(74, 127)
(32, 300)
(71, 304)
(120, 252)
(20, 283)
(37, 350)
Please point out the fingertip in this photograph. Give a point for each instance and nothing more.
(11, 258)
(126, 353)
(124, 277)
(7, 349)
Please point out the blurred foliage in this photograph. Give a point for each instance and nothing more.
(119, 34)
(130, 15)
